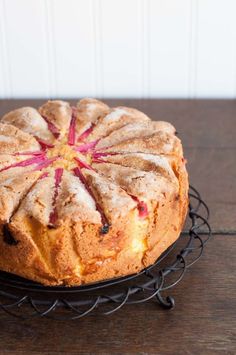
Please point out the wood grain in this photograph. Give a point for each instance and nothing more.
(213, 172)
(204, 320)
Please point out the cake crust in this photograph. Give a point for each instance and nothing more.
(88, 193)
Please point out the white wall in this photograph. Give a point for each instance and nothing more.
(117, 48)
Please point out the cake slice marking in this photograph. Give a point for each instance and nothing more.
(85, 148)
(105, 222)
(86, 133)
(38, 152)
(83, 164)
(44, 145)
(35, 160)
(54, 215)
(52, 128)
(46, 163)
(71, 134)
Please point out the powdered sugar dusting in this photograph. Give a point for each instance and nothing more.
(116, 114)
(118, 200)
(97, 132)
(156, 159)
(90, 108)
(34, 119)
(38, 202)
(5, 139)
(76, 188)
(150, 157)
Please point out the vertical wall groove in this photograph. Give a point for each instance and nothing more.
(5, 53)
(51, 51)
(193, 49)
(46, 46)
(94, 65)
(145, 47)
(140, 46)
(234, 50)
(97, 35)
(3, 83)
(234, 46)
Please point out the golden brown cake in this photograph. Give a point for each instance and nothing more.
(87, 193)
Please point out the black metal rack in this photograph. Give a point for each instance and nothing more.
(25, 299)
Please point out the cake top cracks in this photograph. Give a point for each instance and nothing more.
(81, 162)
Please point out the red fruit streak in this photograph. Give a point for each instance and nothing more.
(84, 148)
(27, 162)
(96, 160)
(96, 157)
(58, 176)
(44, 175)
(71, 135)
(99, 155)
(52, 128)
(82, 164)
(74, 110)
(37, 153)
(86, 133)
(44, 145)
(82, 178)
(45, 163)
(142, 207)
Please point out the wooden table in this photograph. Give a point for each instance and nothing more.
(204, 319)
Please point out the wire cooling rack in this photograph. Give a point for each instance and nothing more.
(25, 299)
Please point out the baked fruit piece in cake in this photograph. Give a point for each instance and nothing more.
(87, 192)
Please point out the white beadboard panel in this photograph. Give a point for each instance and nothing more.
(4, 89)
(97, 46)
(24, 32)
(193, 47)
(169, 47)
(216, 60)
(74, 47)
(50, 47)
(144, 46)
(117, 48)
(121, 60)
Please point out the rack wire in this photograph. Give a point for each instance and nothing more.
(25, 299)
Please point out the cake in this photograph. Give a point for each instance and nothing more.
(87, 193)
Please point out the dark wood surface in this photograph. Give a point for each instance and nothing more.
(204, 319)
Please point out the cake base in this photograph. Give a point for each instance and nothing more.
(80, 301)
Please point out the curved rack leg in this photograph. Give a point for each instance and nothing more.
(167, 303)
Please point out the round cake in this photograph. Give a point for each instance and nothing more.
(87, 193)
